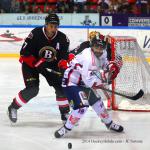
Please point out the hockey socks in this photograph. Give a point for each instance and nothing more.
(72, 120)
(75, 116)
(99, 108)
(101, 111)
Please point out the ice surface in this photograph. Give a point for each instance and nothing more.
(38, 120)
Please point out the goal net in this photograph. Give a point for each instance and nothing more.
(134, 75)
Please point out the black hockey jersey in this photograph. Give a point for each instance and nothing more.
(38, 39)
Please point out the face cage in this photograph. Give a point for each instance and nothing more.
(96, 45)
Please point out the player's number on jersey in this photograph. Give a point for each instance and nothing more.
(24, 44)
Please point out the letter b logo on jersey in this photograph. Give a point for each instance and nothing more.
(47, 52)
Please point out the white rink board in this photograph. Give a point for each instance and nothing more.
(76, 36)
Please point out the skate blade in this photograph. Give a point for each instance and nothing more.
(11, 123)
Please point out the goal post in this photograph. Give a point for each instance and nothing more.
(134, 75)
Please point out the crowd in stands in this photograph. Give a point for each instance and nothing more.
(136, 7)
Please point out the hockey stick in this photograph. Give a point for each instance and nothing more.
(53, 71)
(134, 97)
(109, 101)
(58, 73)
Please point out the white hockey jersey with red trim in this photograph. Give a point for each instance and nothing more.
(81, 68)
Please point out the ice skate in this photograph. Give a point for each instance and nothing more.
(61, 132)
(114, 127)
(12, 114)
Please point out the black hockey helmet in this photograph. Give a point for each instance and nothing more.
(97, 41)
(52, 18)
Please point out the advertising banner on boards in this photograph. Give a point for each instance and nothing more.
(125, 20)
(84, 19)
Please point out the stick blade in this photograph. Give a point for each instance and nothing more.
(138, 95)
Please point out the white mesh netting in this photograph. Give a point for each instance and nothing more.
(134, 75)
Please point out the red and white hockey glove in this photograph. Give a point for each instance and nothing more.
(70, 57)
(63, 64)
(29, 60)
(113, 70)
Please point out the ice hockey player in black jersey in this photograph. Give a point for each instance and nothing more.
(45, 47)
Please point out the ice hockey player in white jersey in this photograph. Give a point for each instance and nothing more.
(88, 71)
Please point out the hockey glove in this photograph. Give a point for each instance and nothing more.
(29, 60)
(70, 57)
(32, 62)
(63, 64)
(113, 70)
